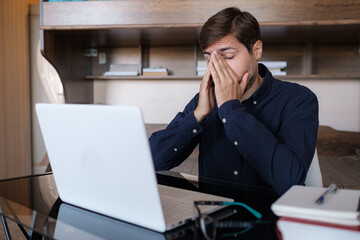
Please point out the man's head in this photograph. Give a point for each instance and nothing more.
(242, 25)
(235, 35)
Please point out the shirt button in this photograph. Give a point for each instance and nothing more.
(175, 149)
(194, 131)
(235, 143)
(224, 120)
(236, 172)
(254, 102)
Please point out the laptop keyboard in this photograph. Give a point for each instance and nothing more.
(176, 208)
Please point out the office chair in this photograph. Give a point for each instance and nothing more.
(313, 177)
(49, 79)
(52, 85)
(53, 89)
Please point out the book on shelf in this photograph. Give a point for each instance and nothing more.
(201, 63)
(339, 207)
(121, 74)
(277, 71)
(122, 70)
(277, 68)
(275, 64)
(200, 71)
(299, 229)
(155, 74)
(201, 67)
(158, 71)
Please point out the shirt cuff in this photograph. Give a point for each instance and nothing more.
(189, 122)
(226, 109)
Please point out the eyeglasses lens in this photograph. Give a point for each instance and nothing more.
(207, 227)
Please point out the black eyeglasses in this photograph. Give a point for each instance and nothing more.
(209, 226)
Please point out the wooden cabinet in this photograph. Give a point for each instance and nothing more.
(15, 128)
(318, 38)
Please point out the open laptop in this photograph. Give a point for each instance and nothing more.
(101, 161)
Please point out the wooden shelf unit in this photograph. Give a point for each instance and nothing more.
(318, 40)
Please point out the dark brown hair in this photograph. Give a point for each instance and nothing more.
(241, 25)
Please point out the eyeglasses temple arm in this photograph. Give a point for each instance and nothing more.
(253, 211)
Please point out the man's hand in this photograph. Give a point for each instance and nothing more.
(227, 85)
(206, 96)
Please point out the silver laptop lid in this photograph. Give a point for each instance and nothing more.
(101, 160)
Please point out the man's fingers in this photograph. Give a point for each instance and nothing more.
(207, 71)
(244, 82)
(228, 72)
(223, 68)
(206, 78)
(214, 74)
(218, 67)
(207, 74)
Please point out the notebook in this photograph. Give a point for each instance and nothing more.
(340, 207)
(299, 229)
(101, 161)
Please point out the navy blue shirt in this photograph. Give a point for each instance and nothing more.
(266, 140)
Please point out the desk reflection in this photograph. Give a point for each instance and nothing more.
(45, 215)
(76, 223)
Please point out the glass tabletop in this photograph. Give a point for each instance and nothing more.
(32, 203)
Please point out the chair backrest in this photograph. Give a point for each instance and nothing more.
(313, 177)
(49, 78)
(53, 90)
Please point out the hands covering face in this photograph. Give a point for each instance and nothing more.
(219, 85)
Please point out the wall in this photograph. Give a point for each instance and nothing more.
(159, 100)
(339, 100)
(15, 130)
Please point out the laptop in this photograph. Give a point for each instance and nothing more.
(101, 161)
(77, 223)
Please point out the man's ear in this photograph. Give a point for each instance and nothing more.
(257, 49)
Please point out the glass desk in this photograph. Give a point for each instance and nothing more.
(32, 205)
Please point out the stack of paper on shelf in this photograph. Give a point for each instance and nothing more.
(337, 217)
(158, 71)
(122, 70)
(277, 68)
(201, 67)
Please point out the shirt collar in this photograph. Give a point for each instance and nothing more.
(265, 86)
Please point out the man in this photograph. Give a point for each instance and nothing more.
(250, 127)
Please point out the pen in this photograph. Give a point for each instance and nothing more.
(331, 188)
